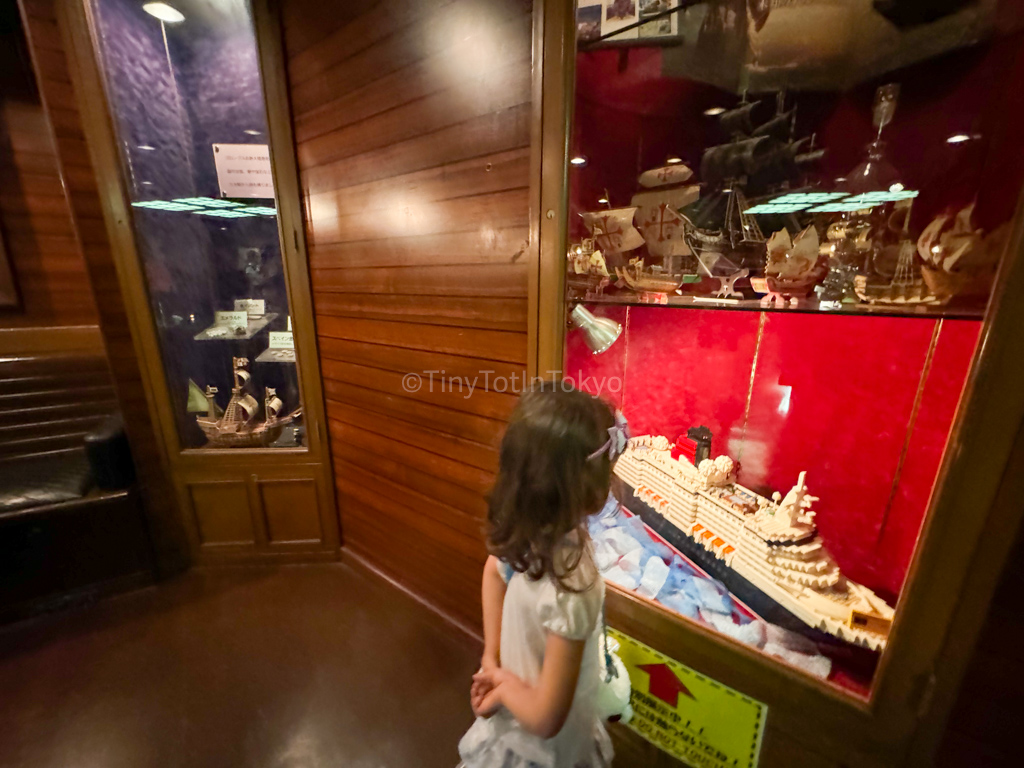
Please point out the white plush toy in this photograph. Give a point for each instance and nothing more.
(614, 691)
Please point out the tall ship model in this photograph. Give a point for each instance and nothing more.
(766, 551)
(758, 160)
(237, 425)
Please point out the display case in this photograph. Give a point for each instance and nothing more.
(211, 258)
(781, 239)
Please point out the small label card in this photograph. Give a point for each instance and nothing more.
(281, 340)
(235, 321)
(254, 307)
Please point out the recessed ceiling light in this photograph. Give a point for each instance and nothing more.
(714, 111)
(674, 160)
(164, 12)
(958, 138)
(579, 161)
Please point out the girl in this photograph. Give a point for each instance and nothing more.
(543, 599)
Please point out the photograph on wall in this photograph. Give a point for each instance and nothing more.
(662, 26)
(588, 21)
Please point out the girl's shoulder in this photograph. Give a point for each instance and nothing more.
(573, 607)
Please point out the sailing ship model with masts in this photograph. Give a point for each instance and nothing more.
(237, 426)
(758, 160)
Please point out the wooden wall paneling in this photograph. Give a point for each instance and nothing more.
(49, 270)
(50, 402)
(65, 89)
(290, 511)
(412, 126)
(223, 513)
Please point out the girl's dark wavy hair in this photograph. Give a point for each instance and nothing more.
(546, 487)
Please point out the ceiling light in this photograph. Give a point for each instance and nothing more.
(713, 111)
(579, 161)
(674, 160)
(958, 138)
(164, 12)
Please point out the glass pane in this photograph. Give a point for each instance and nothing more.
(184, 87)
(796, 212)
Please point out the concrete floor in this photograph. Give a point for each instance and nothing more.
(284, 667)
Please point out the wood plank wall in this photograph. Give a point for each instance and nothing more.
(412, 124)
(60, 100)
(35, 219)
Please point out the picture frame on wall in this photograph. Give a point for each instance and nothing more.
(9, 298)
(598, 21)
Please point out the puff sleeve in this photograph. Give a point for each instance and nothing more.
(572, 615)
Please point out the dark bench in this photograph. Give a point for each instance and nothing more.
(71, 524)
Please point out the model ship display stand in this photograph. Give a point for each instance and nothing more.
(768, 552)
(237, 425)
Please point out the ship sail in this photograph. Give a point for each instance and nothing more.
(196, 399)
(779, 127)
(738, 120)
(249, 407)
(274, 406)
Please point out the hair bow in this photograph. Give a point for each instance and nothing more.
(618, 436)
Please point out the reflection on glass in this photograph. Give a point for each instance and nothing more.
(184, 87)
(824, 190)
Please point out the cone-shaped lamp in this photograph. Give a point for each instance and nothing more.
(599, 333)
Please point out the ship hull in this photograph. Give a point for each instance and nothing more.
(758, 602)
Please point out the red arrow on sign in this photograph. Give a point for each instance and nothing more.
(664, 683)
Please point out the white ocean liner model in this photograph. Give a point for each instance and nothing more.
(749, 541)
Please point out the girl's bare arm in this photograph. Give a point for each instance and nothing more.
(493, 598)
(541, 709)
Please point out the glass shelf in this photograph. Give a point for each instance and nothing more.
(807, 306)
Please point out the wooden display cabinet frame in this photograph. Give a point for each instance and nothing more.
(247, 470)
(971, 523)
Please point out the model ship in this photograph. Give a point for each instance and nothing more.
(237, 425)
(587, 271)
(766, 551)
(758, 160)
(794, 266)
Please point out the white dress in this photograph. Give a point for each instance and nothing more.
(531, 610)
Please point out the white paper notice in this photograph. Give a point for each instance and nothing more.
(281, 340)
(243, 170)
(254, 307)
(232, 320)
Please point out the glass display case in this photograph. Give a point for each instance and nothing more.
(785, 225)
(184, 88)
(184, 111)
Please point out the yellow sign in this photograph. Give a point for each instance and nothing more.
(693, 718)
